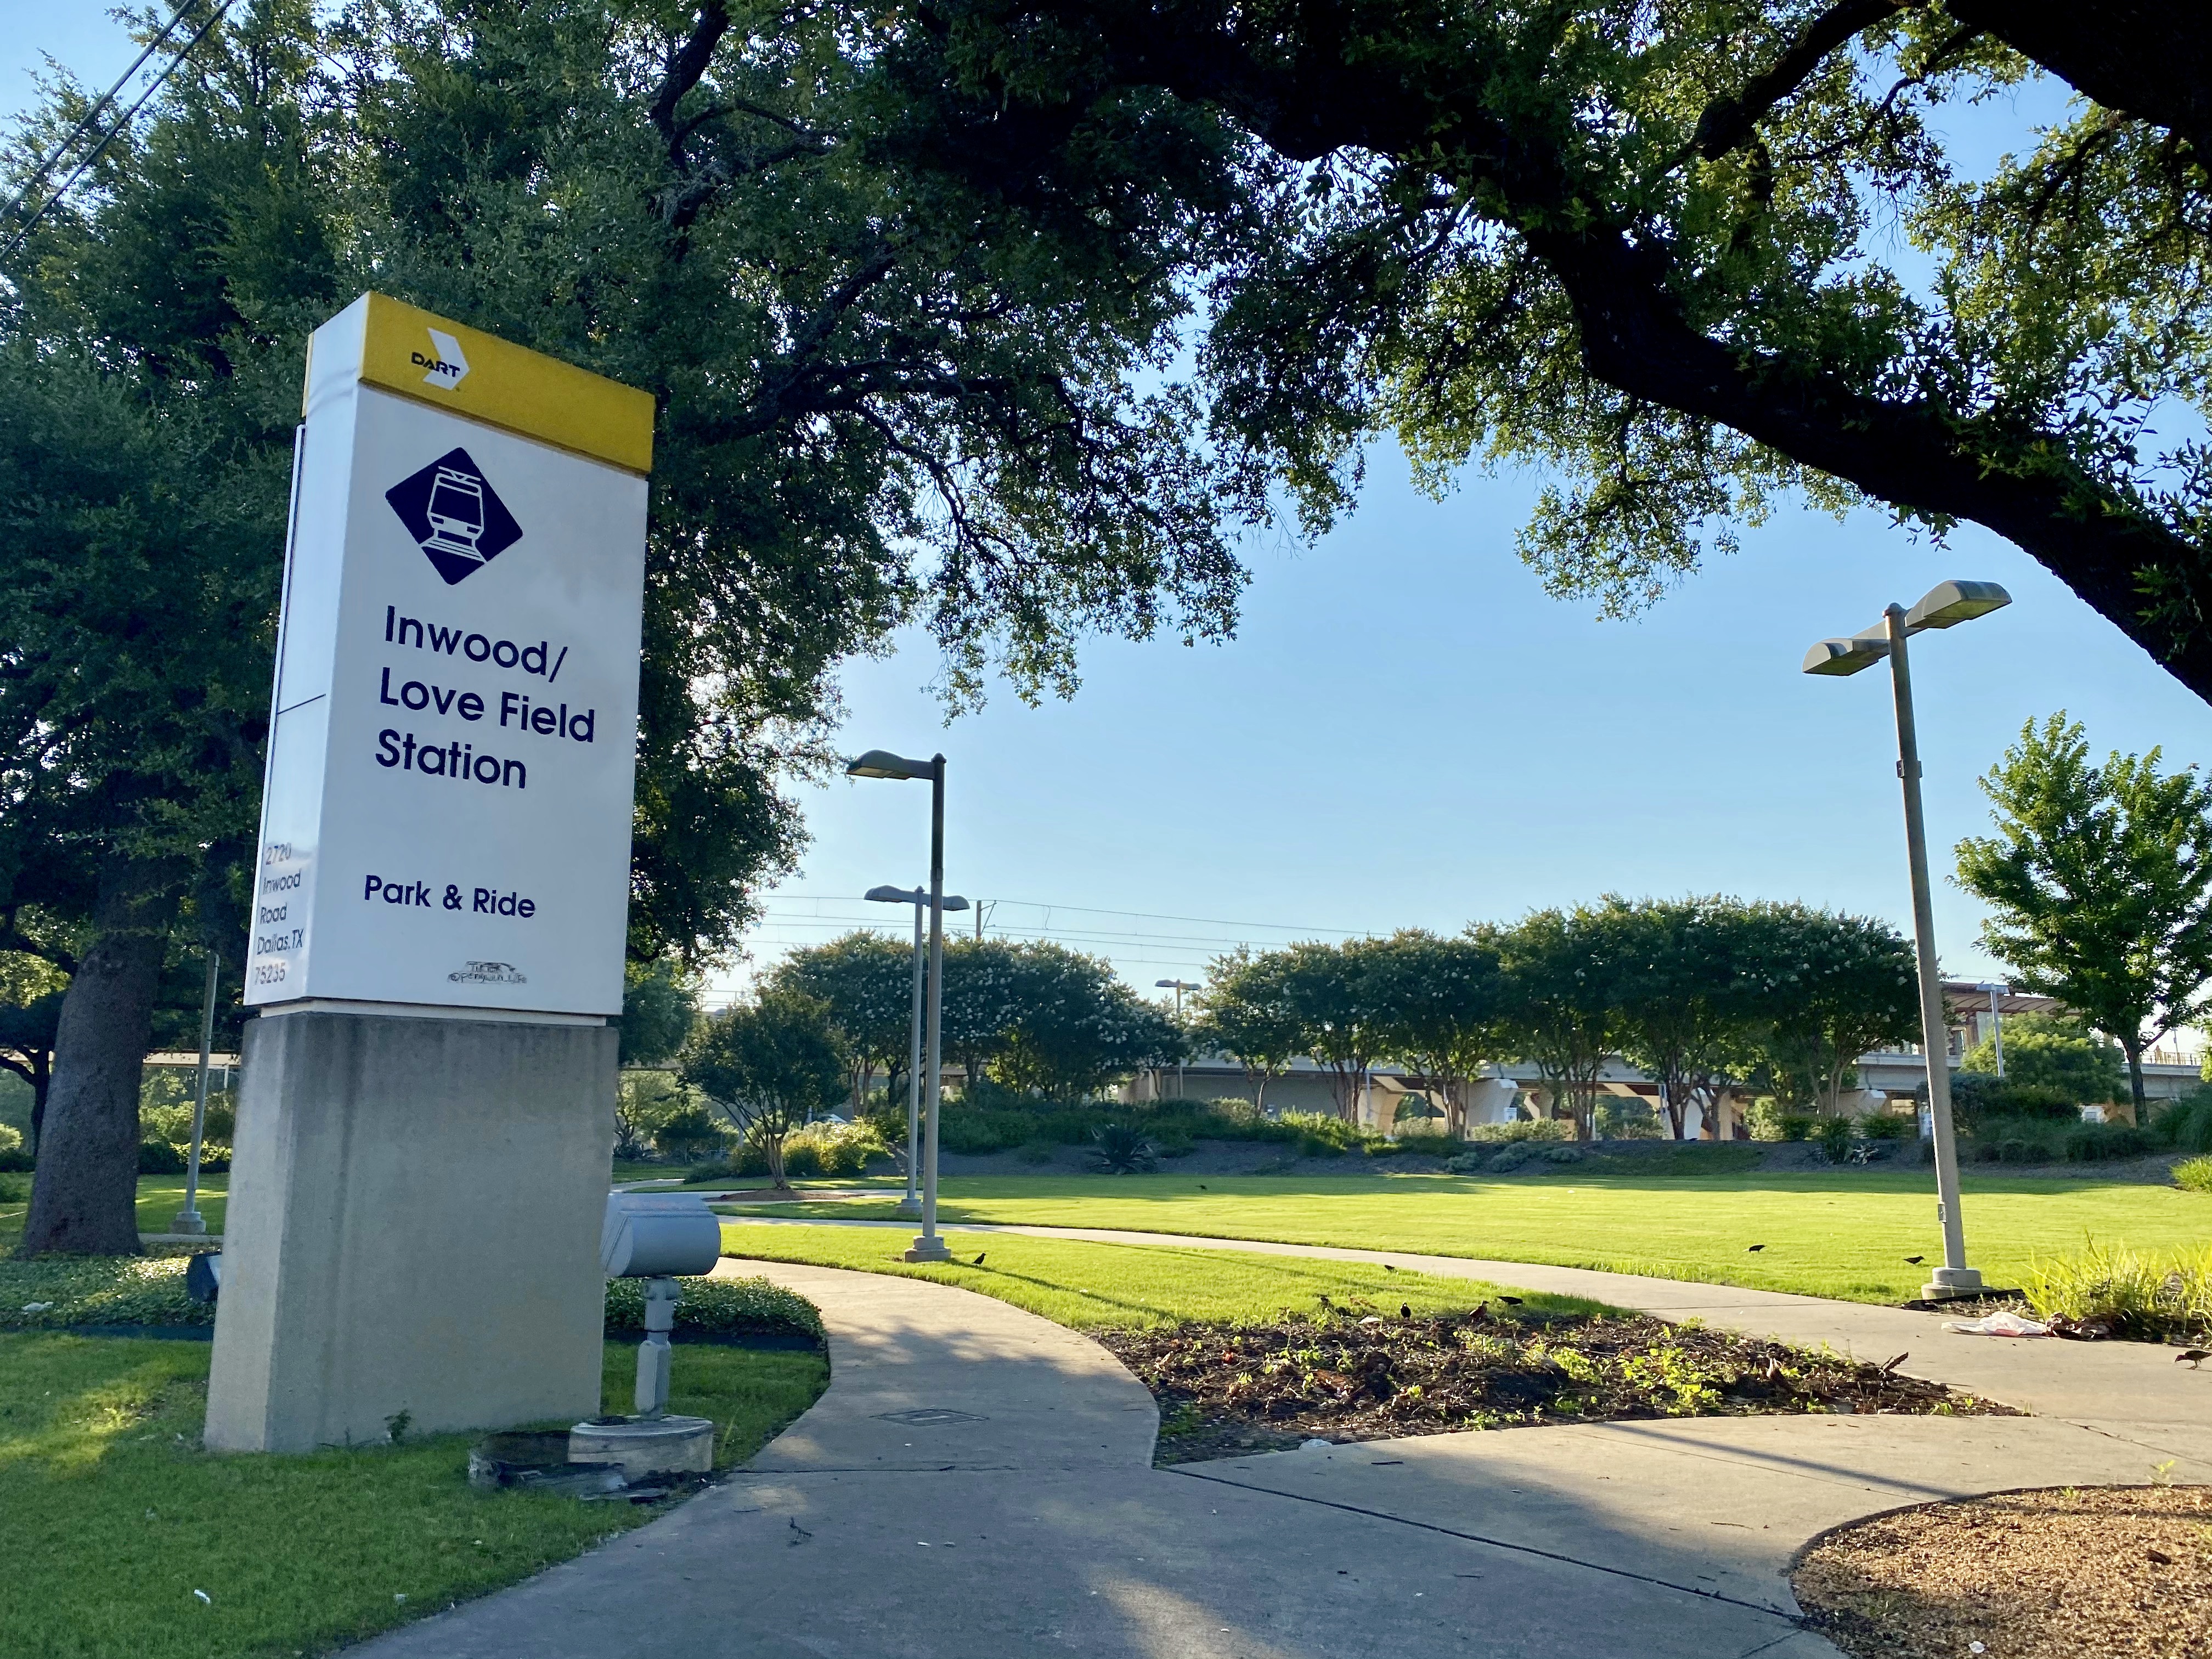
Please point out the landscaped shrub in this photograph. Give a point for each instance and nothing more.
(159, 1158)
(1836, 1135)
(1322, 1134)
(57, 1292)
(1770, 1121)
(14, 1159)
(1515, 1156)
(1979, 1095)
(689, 1135)
(1616, 1119)
(13, 1191)
(2195, 1174)
(1123, 1148)
(2142, 1297)
(1886, 1126)
(1424, 1142)
(717, 1307)
(2187, 1123)
(1546, 1128)
(2093, 1143)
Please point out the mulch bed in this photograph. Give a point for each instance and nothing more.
(2113, 1572)
(1354, 1375)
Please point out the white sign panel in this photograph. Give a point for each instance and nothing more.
(447, 820)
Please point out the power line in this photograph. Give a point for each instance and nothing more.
(121, 121)
(1147, 915)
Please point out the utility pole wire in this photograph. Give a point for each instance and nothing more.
(93, 114)
(121, 121)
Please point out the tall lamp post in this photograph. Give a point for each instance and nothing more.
(882, 763)
(1997, 1017)
(1178, 987)
(918, 897)
(1945, 606)
(188, 1220)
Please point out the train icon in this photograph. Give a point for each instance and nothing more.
(454, 515)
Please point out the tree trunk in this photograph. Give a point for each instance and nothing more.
(84, 1199)
(772, 1149)
(2132, 1047)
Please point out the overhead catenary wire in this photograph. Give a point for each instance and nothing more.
(84, 126)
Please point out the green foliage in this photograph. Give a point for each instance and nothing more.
(97, 1290)
(1836, 1135)
(1536, 1155)
(768, 1066)
(688, 1134)
(660, 1005)
(1977, 1094)
(2139, 1295)
(1522, 1129)
(814, 1150)
(867, 982)
(2046, 1052)
(1688, 262)
(1123, 1148)
(717, 1307)
(100, 1460)
(1887, 1125)
(2194, 1175)
(2099, 884)
(2187, 1123)
(1768, 1121)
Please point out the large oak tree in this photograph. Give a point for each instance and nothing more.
(1685, 255)
(894, 332)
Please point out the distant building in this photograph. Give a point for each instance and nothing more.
(1391, 1096)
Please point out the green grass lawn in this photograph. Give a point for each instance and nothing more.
(1091, 1286)
(1843, 1233)
(160, 1198)
(111, 1516)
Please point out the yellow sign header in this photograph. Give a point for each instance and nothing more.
(435, 360)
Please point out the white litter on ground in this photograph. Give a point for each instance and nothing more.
(1999, 1324)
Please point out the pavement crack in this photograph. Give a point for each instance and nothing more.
(1499, 1544)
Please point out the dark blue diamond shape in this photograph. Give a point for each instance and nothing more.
(454, 515)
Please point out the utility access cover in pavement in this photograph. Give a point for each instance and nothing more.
(929, 1417)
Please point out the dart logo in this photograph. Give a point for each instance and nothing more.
(446, 366)
(454, 515)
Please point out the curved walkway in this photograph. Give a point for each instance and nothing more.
(975, 1484)
(2132, 1383)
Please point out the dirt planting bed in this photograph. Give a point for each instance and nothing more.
(1361, 1374)
(2064, 1573)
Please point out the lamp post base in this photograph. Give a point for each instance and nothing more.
(1948, 1284)
(928, 1249)
(910, 1206)
(189, 1221)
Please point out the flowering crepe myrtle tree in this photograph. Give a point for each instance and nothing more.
(768, 1066)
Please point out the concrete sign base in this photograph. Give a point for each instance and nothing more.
(413, 1229)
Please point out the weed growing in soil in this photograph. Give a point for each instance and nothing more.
(1357, 1373)
(2108, 1292)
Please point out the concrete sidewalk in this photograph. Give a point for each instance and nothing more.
(2133, 1387)
(975, 1484)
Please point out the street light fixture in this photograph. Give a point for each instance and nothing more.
(918, 897)
(882, 763)
(1945, 606)
(1178, 986)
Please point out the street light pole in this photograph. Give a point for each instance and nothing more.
(929, 1246)
(188, 1220)
(1954, 1277)
(918, 897)
(1945, 606)
(882, 763)
(1178, 987)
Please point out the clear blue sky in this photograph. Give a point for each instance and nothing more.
(1407, 732)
